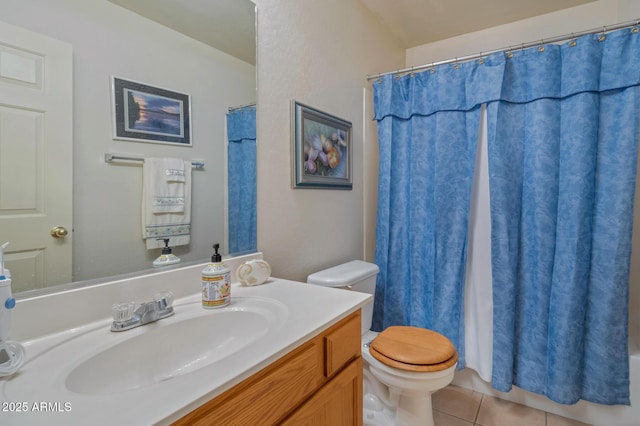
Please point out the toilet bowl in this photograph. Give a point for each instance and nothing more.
(403, 366)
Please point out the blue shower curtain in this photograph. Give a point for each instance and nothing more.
(427, 157)
(563, 143)
(563, 136)
(241, 179)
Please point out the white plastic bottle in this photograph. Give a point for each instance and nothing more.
(7, 302)
(216, 282)
(12, 354)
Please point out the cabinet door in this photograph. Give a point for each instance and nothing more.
(339, 402)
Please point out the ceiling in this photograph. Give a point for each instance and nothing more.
(227, 25)
(417, 22)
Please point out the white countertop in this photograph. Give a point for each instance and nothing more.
(309, 310)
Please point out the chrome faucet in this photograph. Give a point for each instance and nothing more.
(126, 316)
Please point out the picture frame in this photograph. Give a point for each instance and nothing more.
(321, 149)
(144, 113)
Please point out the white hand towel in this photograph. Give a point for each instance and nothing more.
(167, 193)
(175, 172)
(166, 204)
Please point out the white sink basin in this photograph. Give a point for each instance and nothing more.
(101, 362)
(85, 374)
(165, 352)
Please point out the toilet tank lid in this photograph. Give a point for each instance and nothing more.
(343, 275)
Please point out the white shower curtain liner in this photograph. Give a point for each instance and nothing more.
(478, 297)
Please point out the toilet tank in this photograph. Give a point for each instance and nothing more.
(355, 276)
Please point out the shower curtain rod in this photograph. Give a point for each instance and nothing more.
(608, 28)
(240, 107)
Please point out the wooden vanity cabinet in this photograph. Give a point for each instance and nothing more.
(319, 383)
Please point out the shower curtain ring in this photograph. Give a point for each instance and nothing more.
(603, 36)
(573, 41)
(541, 47)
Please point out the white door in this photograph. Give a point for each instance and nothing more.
(36, 116)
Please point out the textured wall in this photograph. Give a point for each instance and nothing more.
(317, 52)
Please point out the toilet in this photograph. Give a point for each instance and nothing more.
(403, 365)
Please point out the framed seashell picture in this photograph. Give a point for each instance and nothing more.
(321, 149)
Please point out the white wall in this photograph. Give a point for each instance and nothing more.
(592, 15)
(109, 40)
(318, 52)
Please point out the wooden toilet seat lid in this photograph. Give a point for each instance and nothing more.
(413, 349)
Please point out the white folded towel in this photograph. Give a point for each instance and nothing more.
(164, 179)
(166, 201)
(175, 172)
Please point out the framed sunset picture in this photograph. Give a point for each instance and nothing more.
(146, 113)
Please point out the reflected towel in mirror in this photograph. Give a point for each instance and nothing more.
(166, 201)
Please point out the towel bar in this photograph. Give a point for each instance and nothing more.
(110, 158)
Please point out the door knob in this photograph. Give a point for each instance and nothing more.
(59, 232)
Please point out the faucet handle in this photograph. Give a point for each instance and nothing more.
(122, 312)
(163, 299)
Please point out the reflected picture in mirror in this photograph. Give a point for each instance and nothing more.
(59, 162)
(150, 114)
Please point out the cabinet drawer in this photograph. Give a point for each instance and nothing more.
(342, 344)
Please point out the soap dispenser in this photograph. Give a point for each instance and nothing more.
(216, 282)
(166, 258)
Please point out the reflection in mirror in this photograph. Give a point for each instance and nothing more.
(62, 55)
(241, 134)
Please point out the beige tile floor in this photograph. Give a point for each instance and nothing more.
(456, 406)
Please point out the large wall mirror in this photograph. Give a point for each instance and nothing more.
(202, 48)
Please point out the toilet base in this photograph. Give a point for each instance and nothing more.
(385, 405)
(377, 409)
(375, 413)
(408, 412)
(414, 410)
